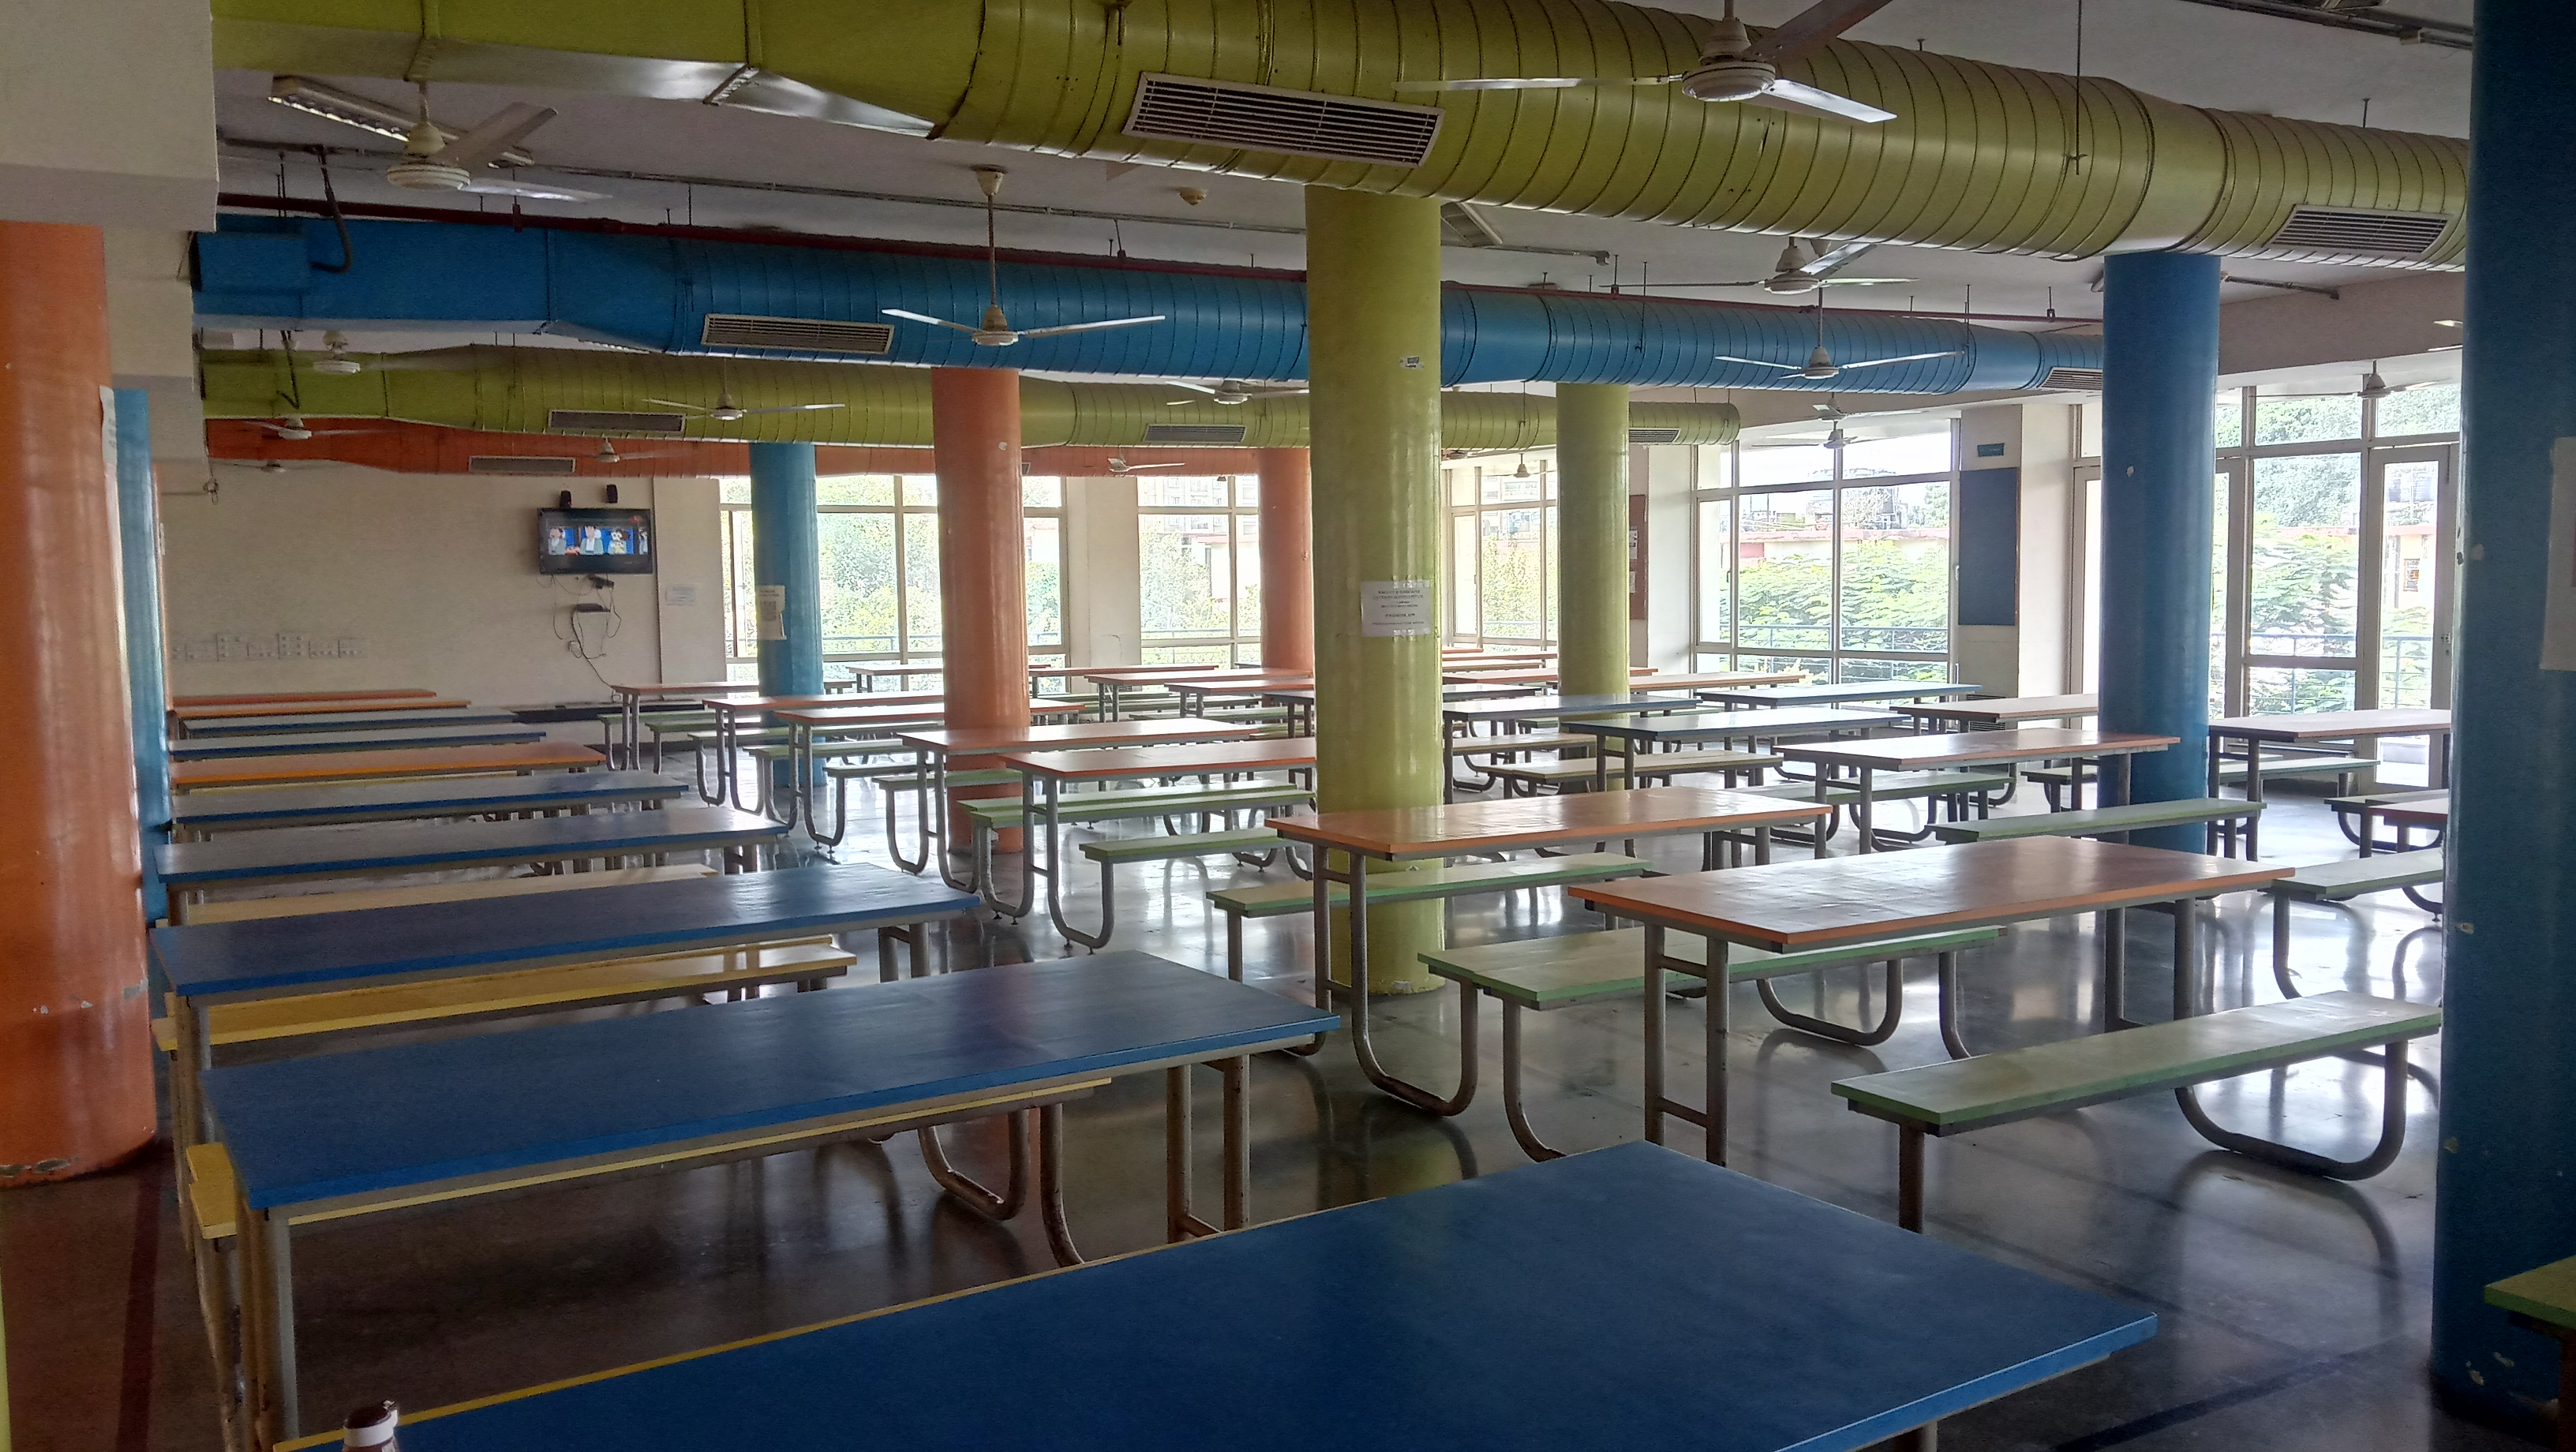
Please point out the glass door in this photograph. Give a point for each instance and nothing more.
(2406, 601)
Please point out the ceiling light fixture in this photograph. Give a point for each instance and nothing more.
(333, 104)
(2446, 322)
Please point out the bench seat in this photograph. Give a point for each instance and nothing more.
(1659, 764)
(1415, 884)
(1146, 802)
(307, 903)
(2233, 770)
(1497, 745)
(1111, 851)
(2102, 821)
(2353, 876)
(910, 779)
(1994, 1089)
(837, 750)
(1545, 973)
(1892, 786)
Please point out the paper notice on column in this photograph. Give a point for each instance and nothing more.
(771, 602)
(2558, 623)
(1395, 608)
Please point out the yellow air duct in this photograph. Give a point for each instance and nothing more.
(581, 391)
(1986, 157)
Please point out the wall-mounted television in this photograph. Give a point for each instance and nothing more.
(594, 541)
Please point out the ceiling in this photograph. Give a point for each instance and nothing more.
(2182, 51)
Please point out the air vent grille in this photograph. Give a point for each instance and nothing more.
(2074, 380)
(509, 464)
(1194, 433)
(1294, 123)
(796, 335)
(1653, 436)
(600, 421)
(2378, 234)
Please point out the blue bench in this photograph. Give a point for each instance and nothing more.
(291, 854)
(213, 748)
(1625, 1298)
(201, 814)
(339, 1135)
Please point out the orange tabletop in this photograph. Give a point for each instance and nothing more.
(329, 766)
(1967, 748)
(305, 707)
(870, 714)
(401, 693)
(1217, 685)
(1470, 652)
(1457, 675)
(1396, 833)
(1807, 904)
(1161, 675)
(1169, 730)
(680, 688)
(1165, 760)
(2426, 813)
(2008, 708)
(733, 705)
(1718, 679)
(2331, 725)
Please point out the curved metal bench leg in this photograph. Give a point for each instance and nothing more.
(1513, 1110)
(921, 831)
(1108, 905)
(1952, 1040)
(2416, 896)
(1051, 1184)
(1827, 1028)
(2392, 1130)
(2281, 946)
(974, 1196)
(1361, 1047)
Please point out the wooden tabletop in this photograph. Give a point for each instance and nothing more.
(1541, 708)
(1719, 680)
(868, 713)
(1965, 748)
(323, 766)
(1511, 677)
(1812, 903)
(1157, 675)
(277, 697)
(306, 707)
(730, 705)
(1221, 756)
(2426, 813)
(1821, 693)
(2332, 725)
(1724, 725)
(2007, 708)
(1494, 826)
(679, 688)
(1164, 731)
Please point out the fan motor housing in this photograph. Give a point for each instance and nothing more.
(1729, 78)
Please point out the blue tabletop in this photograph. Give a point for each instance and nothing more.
(1629, 1298)
(370, 1120)
(332, 851)
(270, 955)
(210, 748)
(350, 721)
(1822, 694)
(393, 801)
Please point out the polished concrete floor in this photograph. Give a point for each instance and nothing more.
(2293, 1311)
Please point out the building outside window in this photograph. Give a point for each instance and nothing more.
(878, 538)
(1830, 560)
(1502, 550)
(1199, 569)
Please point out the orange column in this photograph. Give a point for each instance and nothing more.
(983, 559)
(75, 1046)
(1287, 561)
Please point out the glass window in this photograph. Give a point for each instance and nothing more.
(1199, 568)
(2309, 420)
(922, 624)
(855, 489)
(1784, 571)
(1045, 579)
(2227, 421)
(2218, 548)
(2406, 583)
(862, 608)
(2424, 409)
(1041, 493)
(1785, 464)
(1920, 453)
(1716, 569)
(1514, 571)
(734, 491)
(2271, 690)
(1896, 566)
(2306, 566)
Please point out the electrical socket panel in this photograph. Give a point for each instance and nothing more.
(197, 652)
(290, 645)
(352, 647)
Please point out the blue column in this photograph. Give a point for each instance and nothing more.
(2159, 374)
(138, 540)
(786, 559)
(2507, 1155)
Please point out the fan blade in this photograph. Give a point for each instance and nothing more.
(1785, 95)
(794, 408)
(675, 403)
(499, 132)
(1749, 282)
(1087, 327)
(533, 191)
(1758, 363)
(1809, 29)
(1908, 358)
(1843, 256)
(1858, 281)
(345, 433)
(1140, 468)
(925, 318)
(1193, 387)
(1293, 392)
(1534, 83)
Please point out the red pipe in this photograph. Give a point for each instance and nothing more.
(75, 1033)
(1287, 560)
(983, 553)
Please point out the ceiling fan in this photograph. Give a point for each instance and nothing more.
(1801, 270)
(608, 455)
(2372, 386)
(433, 163)
(1120, 466)
(290, 427)
(339, 362)
(726, 410)
(273, 466)
(996, 330)
(1820, 364)
(1733, 66)
(1231, 391)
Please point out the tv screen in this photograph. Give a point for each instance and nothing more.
(595, 541)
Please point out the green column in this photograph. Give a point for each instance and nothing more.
(1373, 370)
(1592, 538)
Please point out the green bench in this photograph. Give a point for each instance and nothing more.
(2053, 779)
(1995, 1089)
(2114, 822)
(988, 816)
(2544, 1300)
(2333, 882)
(1956, 787)
(1659, 766)
(1542, 974)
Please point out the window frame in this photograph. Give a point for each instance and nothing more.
(1242, 639)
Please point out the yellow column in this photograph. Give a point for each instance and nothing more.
(1592, 538)
(1373, 369)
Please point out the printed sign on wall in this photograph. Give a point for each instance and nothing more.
(771, 602)
(1395, 609)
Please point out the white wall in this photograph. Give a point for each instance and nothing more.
(107, 112)
(1103, 563)
(2027, 658)
(1663, 473)
(430, 578)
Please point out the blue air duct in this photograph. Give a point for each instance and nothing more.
(655, 288)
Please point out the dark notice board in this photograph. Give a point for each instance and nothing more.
(1987, 535)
